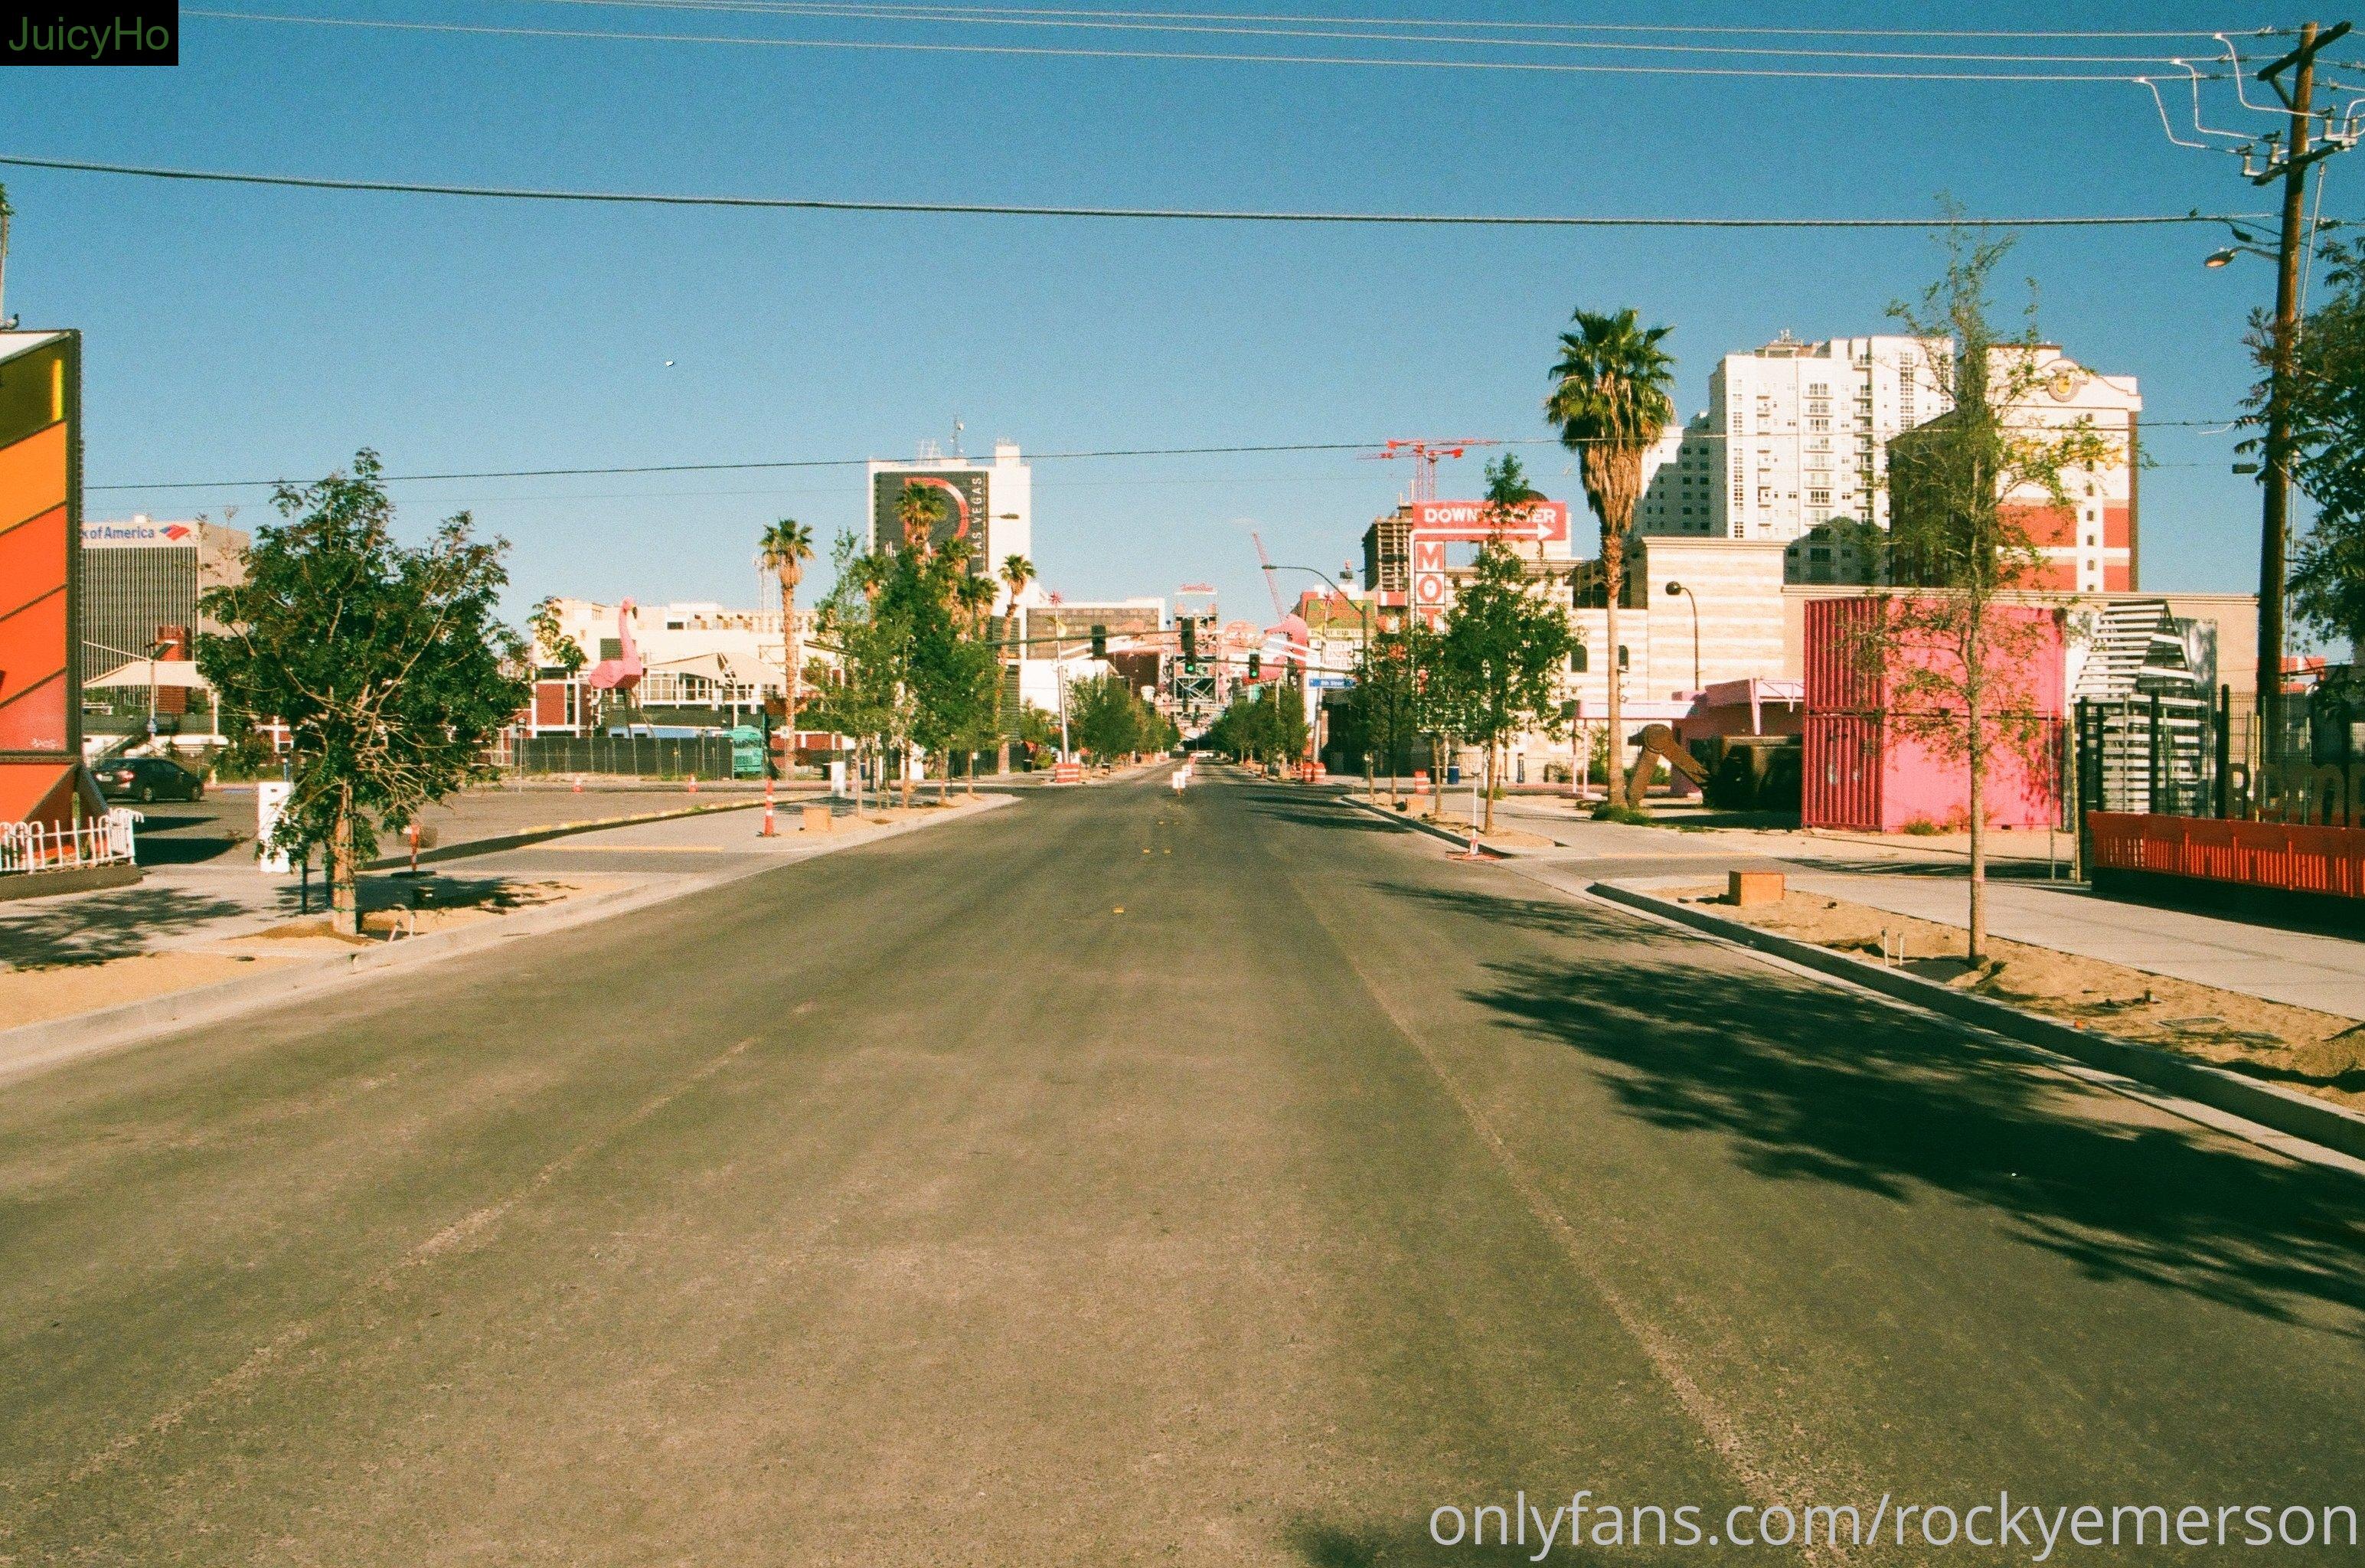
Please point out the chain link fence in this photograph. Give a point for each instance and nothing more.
(639, 757)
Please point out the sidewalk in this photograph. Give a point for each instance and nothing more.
(2326, 973)
(1929, 881)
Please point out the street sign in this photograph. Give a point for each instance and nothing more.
(1331, 682)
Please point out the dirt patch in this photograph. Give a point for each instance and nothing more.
(2316, 1052)
(394, 907)
(58, 990)
(1515, 838)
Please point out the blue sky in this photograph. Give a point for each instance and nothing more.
(239, 333)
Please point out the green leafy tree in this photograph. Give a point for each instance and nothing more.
(1263, 723)
(386, 664)
(783, 549)
(1612, 397)
(1110, 721)
(1509, 495)
(1038, 730)
(1386, 698)
(1503, 648)
(1957, 659)
(952, 658)
(2327, 577)
(867, 697)
(552, 645)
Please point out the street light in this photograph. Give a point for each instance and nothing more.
(1673, 589)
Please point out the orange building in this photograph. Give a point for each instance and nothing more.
(41, 778)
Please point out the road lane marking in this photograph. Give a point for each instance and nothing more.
(458, 1236)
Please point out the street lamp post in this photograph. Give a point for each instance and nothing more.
(1673, 589)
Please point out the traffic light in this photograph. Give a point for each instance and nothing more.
(1190, 637)
(1100, 641)
(1256, 665)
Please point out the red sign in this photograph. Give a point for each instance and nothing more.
(1467, 521)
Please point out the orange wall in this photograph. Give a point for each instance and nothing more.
(36, 544)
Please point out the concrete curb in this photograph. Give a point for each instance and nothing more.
(1419, 824)
(30, 1048)
(2270, 1106)
(498, 842)
(72, 880)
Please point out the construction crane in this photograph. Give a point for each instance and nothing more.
(1271, 583)
(1425, 453)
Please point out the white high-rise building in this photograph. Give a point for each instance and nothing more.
(1795, 434)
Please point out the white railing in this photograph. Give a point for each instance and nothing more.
(47, 847)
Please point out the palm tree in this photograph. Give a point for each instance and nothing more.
(919, 508)
(784, 548)
(1017, 571)
(1612, 397)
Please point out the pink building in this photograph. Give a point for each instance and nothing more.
(1873, 760)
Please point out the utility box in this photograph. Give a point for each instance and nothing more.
(814, 818)
(1750, 889)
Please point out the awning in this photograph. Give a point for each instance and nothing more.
(141, 673)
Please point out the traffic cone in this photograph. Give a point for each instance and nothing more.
(768, 808)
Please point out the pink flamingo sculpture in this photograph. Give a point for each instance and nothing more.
(623, 673)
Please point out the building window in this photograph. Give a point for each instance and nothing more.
(1577, 661)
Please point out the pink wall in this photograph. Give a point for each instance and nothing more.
(1863, 770)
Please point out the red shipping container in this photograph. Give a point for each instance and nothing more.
(1841, 677)
(1869, 773)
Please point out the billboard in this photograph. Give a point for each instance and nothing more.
(138, 531)
(963, 516)
(1472, 521)
(40, 708)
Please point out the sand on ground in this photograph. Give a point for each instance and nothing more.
(2317, 1053)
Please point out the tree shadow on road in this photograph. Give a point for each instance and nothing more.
(1809, 1084)
(185, 836)
(1287, 803)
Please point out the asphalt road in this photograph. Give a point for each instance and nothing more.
(1116, 1180)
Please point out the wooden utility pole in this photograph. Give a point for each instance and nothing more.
(2274, 535)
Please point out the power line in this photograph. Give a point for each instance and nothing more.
(1164, 214)
(1342, 29)
(894, 6)
(772, 464)
(1195, 56)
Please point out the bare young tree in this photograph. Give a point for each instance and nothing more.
(1955, 655)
